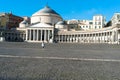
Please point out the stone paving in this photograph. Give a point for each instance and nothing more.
(18, 68)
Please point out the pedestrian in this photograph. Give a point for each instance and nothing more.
(43, 45)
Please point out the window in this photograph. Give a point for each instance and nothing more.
(89, 27)
(99, 26)
(99, 23)
(90, 22)
(95, 23)
(95, 27)
(118, 16)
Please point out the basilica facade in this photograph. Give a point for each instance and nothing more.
(48, 26)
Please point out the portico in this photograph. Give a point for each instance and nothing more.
(39, 34)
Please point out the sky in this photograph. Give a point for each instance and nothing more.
(68, 9)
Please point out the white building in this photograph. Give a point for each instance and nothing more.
(48, 26)
(115, 19)
(97, 22)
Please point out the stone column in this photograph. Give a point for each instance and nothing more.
(68, 38)
(108, 37)
(117, 36)
(92, 38)
(34, 35)
(30, 35)
(62, 38)
(59, 38)
(41, 34)
(72, 38)
(27, 37)
(48, 35)
(80, 38)
(95, 38)
(104, 37)
(100, 37)
(52, 35)
(77, 39)
(65, 38)
(83, 38)
(37, 35)
(89, 38)
(113, 36)
(45, 35)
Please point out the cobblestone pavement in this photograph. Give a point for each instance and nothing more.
(19, 68)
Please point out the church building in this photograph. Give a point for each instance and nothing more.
(48, 26)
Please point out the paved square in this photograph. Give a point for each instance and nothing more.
(29, 61)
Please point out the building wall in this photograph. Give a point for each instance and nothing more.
(3, 20)
(98, 21)
(8, 20)
(85, 24)
(14, 21)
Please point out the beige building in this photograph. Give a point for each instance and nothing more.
(3, 20)
(9, 20)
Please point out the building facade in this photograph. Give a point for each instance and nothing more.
(48, 26)
(9, 20)
(97, 22)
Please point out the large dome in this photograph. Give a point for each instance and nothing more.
(46, 15)
(46, 9)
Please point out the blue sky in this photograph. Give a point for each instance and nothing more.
(68, 9)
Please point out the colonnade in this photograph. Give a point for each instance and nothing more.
(38, 35)
(12, 36)
(95, 37)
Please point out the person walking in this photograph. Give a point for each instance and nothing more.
(43, 45)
